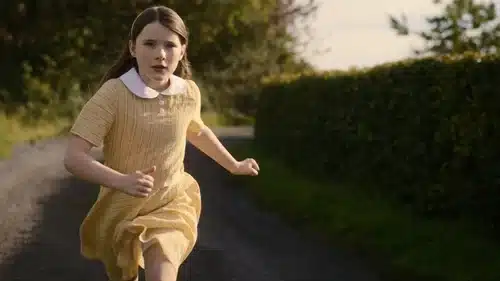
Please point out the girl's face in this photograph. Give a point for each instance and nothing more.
(158, 51)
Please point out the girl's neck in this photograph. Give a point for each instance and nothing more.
(160, 87)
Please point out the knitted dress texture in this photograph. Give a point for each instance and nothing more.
(138, 133)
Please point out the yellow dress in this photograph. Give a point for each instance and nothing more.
(138, 129)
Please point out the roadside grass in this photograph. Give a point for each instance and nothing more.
(212, 118)
(398, 245)
(13, 130)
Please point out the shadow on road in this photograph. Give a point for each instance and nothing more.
(52, 252)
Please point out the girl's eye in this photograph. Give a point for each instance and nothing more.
(152, 44)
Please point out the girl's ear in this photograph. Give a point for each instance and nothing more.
(131, 47)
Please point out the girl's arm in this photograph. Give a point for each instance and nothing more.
(79, 162)
(207, 142)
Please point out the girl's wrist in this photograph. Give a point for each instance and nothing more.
(233, 166)
(116, 180)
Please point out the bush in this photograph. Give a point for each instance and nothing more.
(424, 130)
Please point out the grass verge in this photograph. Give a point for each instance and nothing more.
(13, 131)
(212, 118)
(399, 245)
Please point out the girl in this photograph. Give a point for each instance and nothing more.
(148, 207)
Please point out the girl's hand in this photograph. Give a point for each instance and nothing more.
(247, 167)
(137, 184)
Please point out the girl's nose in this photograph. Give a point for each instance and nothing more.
(162, 53)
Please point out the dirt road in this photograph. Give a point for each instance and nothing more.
(42, 209)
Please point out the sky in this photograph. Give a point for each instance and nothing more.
(357, 32)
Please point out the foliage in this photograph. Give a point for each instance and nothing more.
(422, 130)
(464, 25)
(54, 52)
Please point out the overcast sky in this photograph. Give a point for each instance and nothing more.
(357, 32)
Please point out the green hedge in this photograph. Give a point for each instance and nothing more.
(426, 130)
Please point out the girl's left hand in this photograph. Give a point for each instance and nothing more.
(247, 167)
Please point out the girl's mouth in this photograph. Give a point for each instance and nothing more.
(159, 68)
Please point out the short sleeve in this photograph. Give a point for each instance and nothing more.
(97, 115)
(196, 124)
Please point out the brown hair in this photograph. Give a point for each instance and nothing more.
(168, 18)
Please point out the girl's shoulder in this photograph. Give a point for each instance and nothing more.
(115, 85)
(192, 89)
(111, 89)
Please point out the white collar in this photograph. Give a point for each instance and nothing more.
(136, 85)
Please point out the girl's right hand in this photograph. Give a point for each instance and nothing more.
(137, 184)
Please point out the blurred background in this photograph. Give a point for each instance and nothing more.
(53, 52)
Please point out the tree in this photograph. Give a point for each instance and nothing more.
(54, 51)
(464, 25)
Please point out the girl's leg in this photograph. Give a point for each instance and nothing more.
(157, 266)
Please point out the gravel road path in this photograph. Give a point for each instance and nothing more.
(42, 207)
